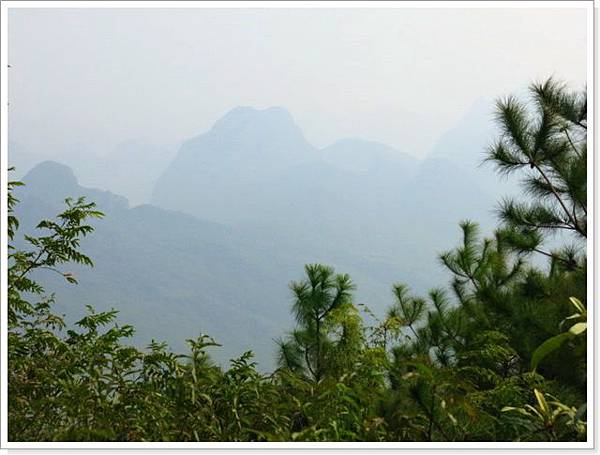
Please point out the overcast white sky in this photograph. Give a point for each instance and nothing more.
(400, 76)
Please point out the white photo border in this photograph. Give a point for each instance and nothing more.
(589, 6)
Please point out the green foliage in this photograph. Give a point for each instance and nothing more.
(552, 344)
(59, 246)
(329, 330)
(552, 418)
(454, 366)
(546, 142)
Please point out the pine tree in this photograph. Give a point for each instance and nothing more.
(545, 142)
(322, 305)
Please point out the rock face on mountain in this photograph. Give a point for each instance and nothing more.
(217, 175)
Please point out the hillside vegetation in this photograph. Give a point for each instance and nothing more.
(499, 355)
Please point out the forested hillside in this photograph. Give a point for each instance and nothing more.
(496, 351)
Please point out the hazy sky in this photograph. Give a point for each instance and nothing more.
(400, 76)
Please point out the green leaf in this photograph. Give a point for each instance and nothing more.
(519, 410)
(578, 305)
(541, 401)
(578, 328)
(548, 346)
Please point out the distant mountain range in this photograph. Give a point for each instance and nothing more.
(240, 209)
(130, 169)
(254, 170)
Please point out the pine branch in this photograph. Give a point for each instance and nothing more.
(559, 199)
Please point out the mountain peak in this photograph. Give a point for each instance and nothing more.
(248, 117)
(51, 173)
(53, 182)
